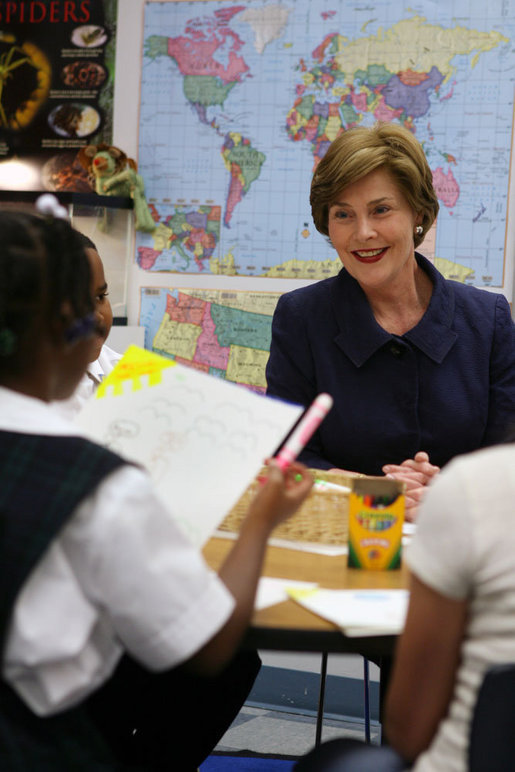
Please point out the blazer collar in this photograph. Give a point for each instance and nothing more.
(360, 336)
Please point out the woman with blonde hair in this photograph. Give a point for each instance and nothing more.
(421, 368)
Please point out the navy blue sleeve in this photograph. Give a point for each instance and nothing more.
(290, 368)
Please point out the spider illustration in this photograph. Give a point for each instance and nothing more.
(16, 112)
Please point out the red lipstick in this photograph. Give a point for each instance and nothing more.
(372, 258)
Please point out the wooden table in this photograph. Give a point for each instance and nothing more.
(288, 626)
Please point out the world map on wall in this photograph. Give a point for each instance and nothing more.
(239, 101)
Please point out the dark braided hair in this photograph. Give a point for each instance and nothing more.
(43, 271)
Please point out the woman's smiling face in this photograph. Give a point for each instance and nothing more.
(371, 227)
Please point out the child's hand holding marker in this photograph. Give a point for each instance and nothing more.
(282, 492)
(302, 433)
(304, 430)
(281, 497)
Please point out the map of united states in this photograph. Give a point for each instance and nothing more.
(226, 334)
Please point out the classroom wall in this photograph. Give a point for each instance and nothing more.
(125, 136)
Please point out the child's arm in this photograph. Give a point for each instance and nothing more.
(426, 662)
(279, 498)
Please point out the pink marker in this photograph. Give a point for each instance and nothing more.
(307, 426)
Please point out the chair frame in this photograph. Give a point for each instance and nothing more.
(492, 739)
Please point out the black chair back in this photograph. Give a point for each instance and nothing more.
(492, 733)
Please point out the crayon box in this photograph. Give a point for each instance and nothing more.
(376, 517)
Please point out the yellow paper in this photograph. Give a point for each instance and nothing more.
(135, 363)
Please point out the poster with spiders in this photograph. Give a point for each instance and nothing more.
(56, 88)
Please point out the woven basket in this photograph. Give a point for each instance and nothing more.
(323, 517)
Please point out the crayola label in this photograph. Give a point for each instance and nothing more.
(376, 517)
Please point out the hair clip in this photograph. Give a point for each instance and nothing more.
(81, 328)
(48, 205)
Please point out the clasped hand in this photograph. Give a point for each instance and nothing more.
(416, 473)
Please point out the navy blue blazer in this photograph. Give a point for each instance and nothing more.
(447, 386)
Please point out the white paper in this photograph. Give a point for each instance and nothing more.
(360, 612)
(201, 438)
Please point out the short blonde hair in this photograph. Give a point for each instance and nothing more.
(361, 150)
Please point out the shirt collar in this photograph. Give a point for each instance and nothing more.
(28, 415)
(96, 371)
(361, 336)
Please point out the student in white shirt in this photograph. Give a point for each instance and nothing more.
(460, 621)
(119, 645)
